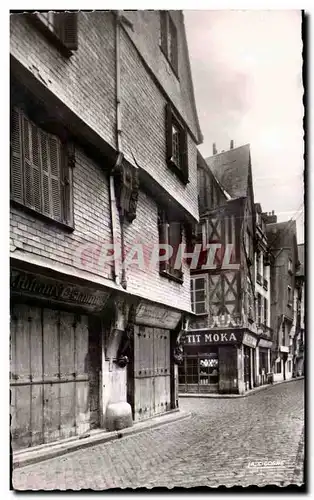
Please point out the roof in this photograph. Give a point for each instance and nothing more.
(231, 169)
(301, 259)
(282, 234)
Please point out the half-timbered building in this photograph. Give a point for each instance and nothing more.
(221, 343)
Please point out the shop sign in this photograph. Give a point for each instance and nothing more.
(204, 338)
(41, 287)
(265, 343)
(160, 317)
(284, 348)
(249, 340)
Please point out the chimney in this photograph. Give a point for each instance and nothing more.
(269, 217)
(214, 149)
(231, 144)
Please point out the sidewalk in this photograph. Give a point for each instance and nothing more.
(56, 449)
(230, 396)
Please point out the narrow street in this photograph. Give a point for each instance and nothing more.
(214, 447)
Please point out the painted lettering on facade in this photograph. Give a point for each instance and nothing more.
(265, 343)
(203, 338)
(161, 317)
(249, 340)
(42, 287)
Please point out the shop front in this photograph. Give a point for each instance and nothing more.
(249, 364)
(210, 362)
(55, 360)
(264, 347)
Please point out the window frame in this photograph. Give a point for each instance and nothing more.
(64, 34)
(290, 266)
(289, 301)
(193, 292)
(166, 268)
(181, 170)
(65, 163)
(168, 31)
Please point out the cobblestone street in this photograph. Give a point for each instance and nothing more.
(214, 447)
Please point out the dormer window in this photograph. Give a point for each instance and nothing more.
(169, 39)
(60, 28)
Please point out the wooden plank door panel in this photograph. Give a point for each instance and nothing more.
(82, 385)
(51, 363)
(36, 345)
(21, 372)
(67, 373)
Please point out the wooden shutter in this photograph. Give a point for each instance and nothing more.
(65, 25)
(174, 45)
(175, 239)
(70, 38)
(184, 160)
(32, 174)
(55, 177)
(17, 184)
(163, 31)
(168, 132)
(163, 239)
(45, 173)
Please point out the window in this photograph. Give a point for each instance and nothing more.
(176, 146)
(199, 295)
(170, 233)
(259, 308)
(265, 311)
(290, 266)
(278, 365)
(60, 27)
(41, 173)
(200, 369)
(247, 245)
(169, 39)
(289, 296)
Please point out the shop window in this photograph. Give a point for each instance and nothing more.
(60, 28)
(170, 234)
(176, 145)
(200, 369)
(41, 170)
(199, 295)
(192, 371)
(208, 370)
(169, 39)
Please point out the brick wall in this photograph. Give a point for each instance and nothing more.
(91, 218)
(146, 37)
(144, 130)
(86, 81)
(147, 282)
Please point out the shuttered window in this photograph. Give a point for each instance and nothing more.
(40, 179)
(61, 26)
(176, 146)
(170, 233)
(169, 39)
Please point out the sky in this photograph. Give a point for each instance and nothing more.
(247, 76)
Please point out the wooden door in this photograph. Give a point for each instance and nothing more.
(49, 375)
(152, 392)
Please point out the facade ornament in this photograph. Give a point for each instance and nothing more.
(178, 349)
(126, 180)
(125, 350)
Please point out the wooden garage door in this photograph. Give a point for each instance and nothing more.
(48, 376)
(151, 372)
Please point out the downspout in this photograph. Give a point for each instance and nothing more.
(113, 203)
(119, 130)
